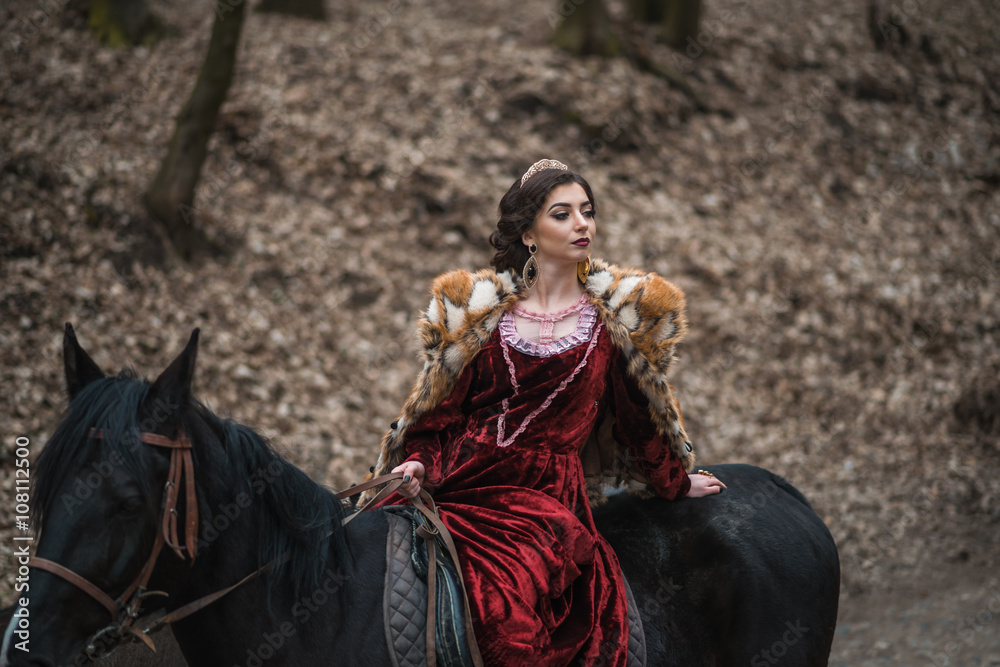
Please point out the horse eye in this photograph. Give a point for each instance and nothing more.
(131, 505)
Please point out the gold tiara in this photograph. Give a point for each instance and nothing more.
(541, 165)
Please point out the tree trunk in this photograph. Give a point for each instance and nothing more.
(681, 19)
(170, 197)
(307, 9)
(678, 19)
(585, 29)
(123, 22)
(647, 11)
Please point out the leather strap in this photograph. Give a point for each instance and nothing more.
(201, 603)
(181, 469)
(395, 481)
(190, 505)
(169, 529)
(180, 442)
(431, 630)
(429, 510)
(78, 581)
(370, 484)
(147, 572)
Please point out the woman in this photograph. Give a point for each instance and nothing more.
(542, 380)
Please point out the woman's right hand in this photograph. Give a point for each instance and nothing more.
(413, 477)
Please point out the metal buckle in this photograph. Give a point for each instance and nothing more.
(93, 652)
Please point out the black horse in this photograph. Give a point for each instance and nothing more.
(751, 577)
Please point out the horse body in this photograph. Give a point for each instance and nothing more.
(748, 577)
(738, 578)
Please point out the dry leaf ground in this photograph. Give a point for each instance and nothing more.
(833, 218)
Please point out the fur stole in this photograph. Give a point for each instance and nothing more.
(643, 314)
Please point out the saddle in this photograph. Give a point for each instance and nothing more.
(406, 595)
(426, 614)
(405, 601)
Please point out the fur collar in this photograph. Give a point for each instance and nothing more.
(643, 314)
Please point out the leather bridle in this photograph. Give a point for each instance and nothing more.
(126, 608)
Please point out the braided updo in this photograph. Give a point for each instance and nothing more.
(518, 209)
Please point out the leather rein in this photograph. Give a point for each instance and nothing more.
(125, 609)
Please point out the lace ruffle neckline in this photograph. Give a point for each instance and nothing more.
(502, 440)
(582, 334)
(552, 317)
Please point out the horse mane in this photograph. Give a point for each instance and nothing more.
(296, 514)
(302, 518)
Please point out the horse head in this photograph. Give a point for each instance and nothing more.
(98, 499)
(123, 502)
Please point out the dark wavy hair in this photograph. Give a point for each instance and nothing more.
(518, 209)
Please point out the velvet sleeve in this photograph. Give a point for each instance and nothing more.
(425, 437)
(634, 428)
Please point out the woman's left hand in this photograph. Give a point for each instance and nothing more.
(413, 472)
(704, 485)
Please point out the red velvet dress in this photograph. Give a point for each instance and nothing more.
(544, 587)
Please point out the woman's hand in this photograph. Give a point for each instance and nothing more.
(413, 477)
(704, 484)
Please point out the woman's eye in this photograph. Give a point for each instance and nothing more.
(589, 214)
(561, 216)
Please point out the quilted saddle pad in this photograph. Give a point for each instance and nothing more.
(405, 602)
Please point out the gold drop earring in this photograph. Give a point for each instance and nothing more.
(583, 270)
(529, 274)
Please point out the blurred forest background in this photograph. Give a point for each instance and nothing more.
(820, 178)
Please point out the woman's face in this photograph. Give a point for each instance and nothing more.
(564, 227)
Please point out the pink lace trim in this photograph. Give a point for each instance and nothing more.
(502, 441)
(584, 329)
(547, 321)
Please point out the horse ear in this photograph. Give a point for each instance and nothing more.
(172, 390)
(80, 368)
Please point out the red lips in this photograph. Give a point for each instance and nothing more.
(582, 242)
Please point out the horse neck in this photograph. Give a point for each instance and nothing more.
(345, 608)
(232, 513)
